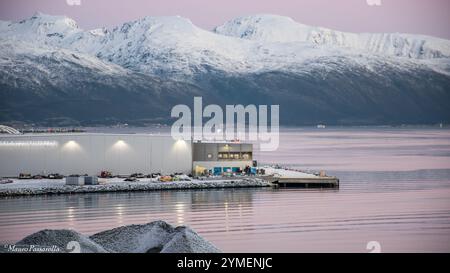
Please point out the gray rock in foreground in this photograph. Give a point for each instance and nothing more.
(149, 237)
(154, 237)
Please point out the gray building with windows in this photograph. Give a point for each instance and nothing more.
(221, 157)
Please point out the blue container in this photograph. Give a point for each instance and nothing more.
(217, 170)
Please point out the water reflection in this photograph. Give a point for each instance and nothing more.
(97, 211)
(218, 198)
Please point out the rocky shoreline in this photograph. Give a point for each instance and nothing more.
(60, 188)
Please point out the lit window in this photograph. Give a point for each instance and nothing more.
(246, 156)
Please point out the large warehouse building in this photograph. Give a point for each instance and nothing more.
(121, 154)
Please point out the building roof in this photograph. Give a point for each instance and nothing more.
(8, 130)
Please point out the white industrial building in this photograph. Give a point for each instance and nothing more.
(121, 154)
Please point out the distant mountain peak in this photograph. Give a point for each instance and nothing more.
(269, 28)
(42, 18)
(154, 22)
(265, 27)
(40, 28)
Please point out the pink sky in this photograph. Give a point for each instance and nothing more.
(431, 17)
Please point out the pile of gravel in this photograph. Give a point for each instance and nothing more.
(154, 237)
(185, 240)
(61, 239)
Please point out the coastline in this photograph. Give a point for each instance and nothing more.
(45, 187)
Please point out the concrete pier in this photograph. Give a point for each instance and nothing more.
(318, 182)
(280, 177)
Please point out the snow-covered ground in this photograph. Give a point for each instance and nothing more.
(43, 186)
(46, 183)
(279, 172)
(48, 186)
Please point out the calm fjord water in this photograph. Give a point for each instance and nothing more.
(395, 189)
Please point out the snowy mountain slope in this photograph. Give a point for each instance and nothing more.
(51, 69)
(46, 84)
(273, 28)
(173, 46)
(40, 28)
(152, 44)
(19, 58)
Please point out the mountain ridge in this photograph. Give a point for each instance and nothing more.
(164, 61)
(275, 28)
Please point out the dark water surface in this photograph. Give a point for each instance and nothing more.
(395, 189)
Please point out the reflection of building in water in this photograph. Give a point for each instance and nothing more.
(233, 204)
(165, 201)
(88, 213)
(217, 198)
(83, 200)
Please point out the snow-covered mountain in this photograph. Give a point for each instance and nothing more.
(162, 45)
(279, 29)
(319, 69)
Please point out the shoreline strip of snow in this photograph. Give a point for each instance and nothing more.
(58, 187)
